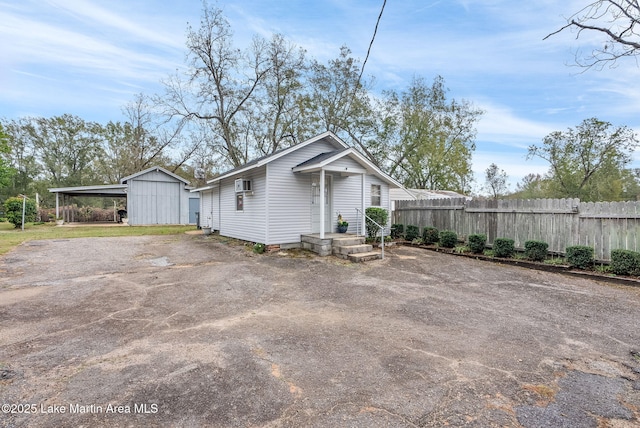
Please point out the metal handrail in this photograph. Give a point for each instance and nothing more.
(381, 228)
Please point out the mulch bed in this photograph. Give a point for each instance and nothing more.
(564, 269)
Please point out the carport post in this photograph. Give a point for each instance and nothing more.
(57, 205)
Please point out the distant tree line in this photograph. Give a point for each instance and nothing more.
(231, 105)
(590, 162)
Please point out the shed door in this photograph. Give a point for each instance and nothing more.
(194, 207)
(167, 203)
(315, 203)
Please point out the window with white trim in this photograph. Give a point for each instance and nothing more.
(239, 201)
(376, 198)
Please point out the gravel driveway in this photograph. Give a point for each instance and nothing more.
(188, 331)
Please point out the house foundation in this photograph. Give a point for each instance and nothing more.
(346, 246)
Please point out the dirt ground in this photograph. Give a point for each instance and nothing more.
(187, 331)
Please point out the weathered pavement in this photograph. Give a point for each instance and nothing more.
(186, 331)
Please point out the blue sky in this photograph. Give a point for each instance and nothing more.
(89, 57)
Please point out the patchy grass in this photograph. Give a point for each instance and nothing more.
(11, 237)
(545, 393)
(556, 261)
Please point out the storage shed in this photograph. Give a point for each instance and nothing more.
(154, 196)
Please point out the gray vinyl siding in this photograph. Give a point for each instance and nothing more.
(249, 224)
(289, 209)
(346, 162)
(215, 209)
(385, 201)
(347, 194)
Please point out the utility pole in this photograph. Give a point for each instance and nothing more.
(24, 208)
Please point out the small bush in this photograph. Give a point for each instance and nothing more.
(13, 210)
(580, 256)
(448, 238)
(477, 242)
(504, 247)
(413, 232)
(430, 235)
(625, 262)
(258, 248)
(380, 216)
(397, 230)
(536, 250)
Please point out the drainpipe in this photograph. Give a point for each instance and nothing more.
(322, 203)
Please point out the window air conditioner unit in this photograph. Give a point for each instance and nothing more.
(243, 185)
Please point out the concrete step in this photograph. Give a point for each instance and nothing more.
(363, 257)
(352, 249)
(347, 240)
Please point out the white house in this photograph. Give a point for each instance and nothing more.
(296, 191)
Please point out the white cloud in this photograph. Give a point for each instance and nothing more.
(500, 125)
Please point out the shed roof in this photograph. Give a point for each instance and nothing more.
(95, 191)
(153, 168)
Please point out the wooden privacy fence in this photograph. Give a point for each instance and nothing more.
(605, 226)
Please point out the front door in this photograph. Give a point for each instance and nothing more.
(316, 200)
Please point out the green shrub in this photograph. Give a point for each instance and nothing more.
(430, 235)
(448, 238)
(413, 232)
(503, 247)
(380, 216)
(580, 256)
(536, 250)
(13, 210)
(397, 230)
(477, 242)
(625, 262)
(258, 248)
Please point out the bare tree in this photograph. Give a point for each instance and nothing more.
(276, 122)
(617, 21)
(221, 83)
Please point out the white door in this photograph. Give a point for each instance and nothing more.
(316, 201)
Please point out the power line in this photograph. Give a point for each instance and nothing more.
(375, 31)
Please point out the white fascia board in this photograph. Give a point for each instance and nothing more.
(154, 168)
(369, 166)
(88, 188)
(375, 170)
(205, 188)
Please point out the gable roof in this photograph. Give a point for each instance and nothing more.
(153, 168)
(318, 161)
(256, 163)
(325, 159)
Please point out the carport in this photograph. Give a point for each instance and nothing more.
(153, 196)
(64, 194)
